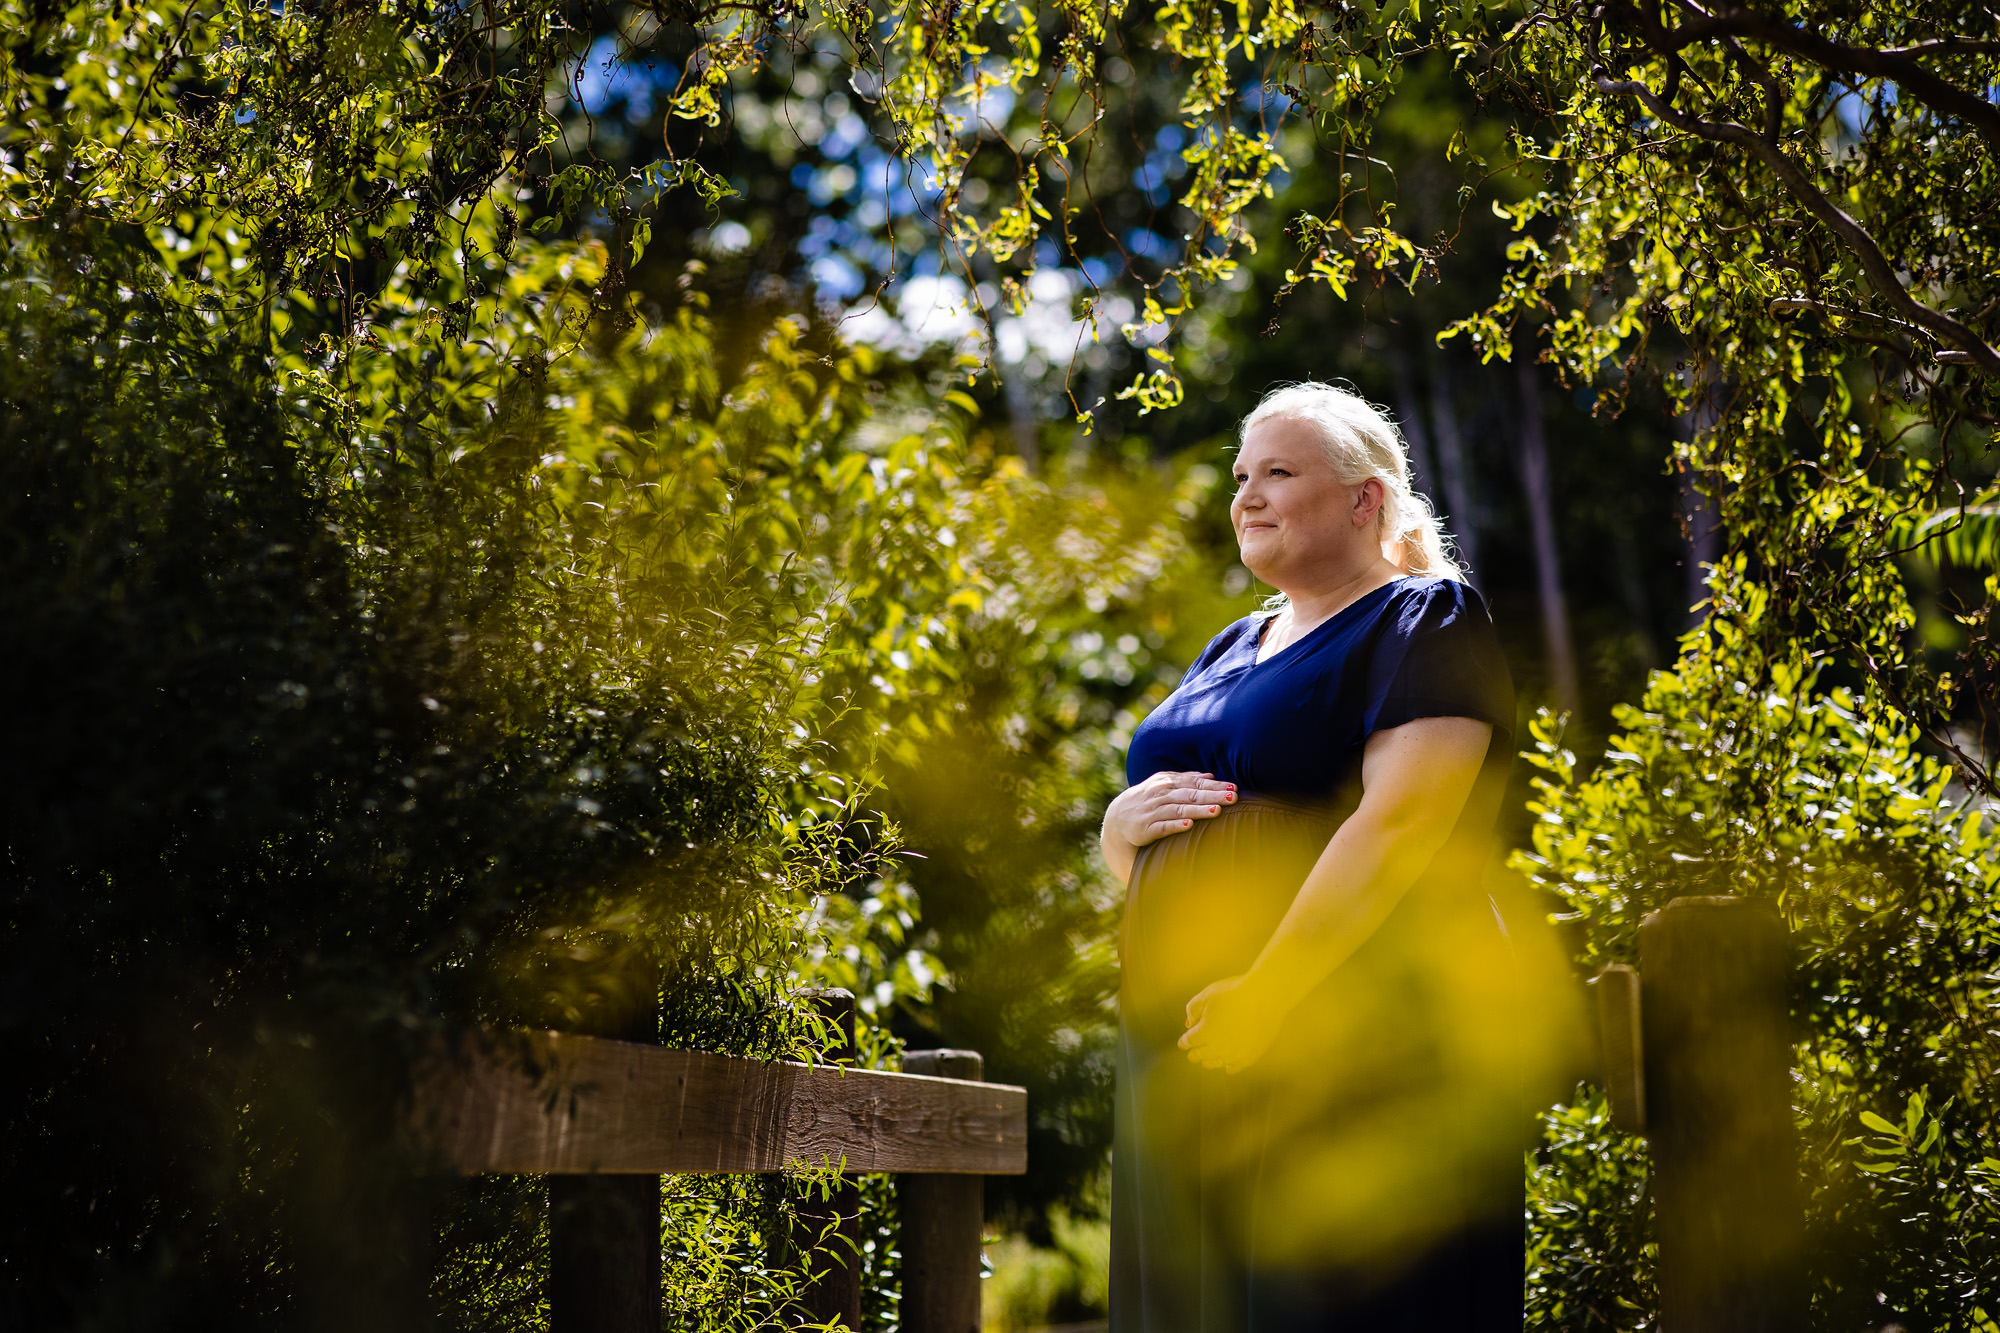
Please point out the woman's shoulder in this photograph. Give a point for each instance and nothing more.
(1440, 657)
(1420, 601)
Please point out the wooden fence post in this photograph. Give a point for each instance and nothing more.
(830, 1228)
(943, 1217)
(604, 1230)
(1728, 1202)
(1621, 1065)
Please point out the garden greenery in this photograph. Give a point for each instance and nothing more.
(413, 639)
(409, 632)
(1745, 772)
(1792, 204)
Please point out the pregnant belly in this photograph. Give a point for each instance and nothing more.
(1392, 1089)
(1202, 904)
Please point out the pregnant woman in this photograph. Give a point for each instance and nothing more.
(1318, 1118)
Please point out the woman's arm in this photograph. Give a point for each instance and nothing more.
(1164, 804)
(1415, 780)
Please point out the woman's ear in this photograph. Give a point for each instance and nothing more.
(1368, 498)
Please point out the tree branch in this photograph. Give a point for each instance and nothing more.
(1949, 46)
(1900, 65)
(1863, 245)
(1798, 304)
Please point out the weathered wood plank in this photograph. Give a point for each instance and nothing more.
(1623, 1048)
(1728, 1203)
(943, 1218)
(827, 1227)
(561, 1104)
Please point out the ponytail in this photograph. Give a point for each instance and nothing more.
(1415, 542)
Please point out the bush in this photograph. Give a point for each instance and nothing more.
(1034, 1286)
(1745, 772)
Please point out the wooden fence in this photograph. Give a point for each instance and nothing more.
(1696, 1048)
(1697, 1057)
(608, 1118)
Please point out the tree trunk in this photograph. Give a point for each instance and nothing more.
(1532, 458)
(1454, 473)
(1701, 526)
(1423, 470)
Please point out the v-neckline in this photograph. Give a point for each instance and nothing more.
(1257, 639)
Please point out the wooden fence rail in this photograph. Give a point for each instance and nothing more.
(576, 1106)
(583, 1105)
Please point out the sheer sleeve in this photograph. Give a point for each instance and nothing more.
(1440, 658)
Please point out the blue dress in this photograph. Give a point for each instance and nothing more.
(1366, 1174)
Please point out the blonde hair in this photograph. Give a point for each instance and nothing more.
(1360, 442)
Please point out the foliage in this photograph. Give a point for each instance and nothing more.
(421, 631)
(415, 637)
(345, 732)
(1591, 1252)
(1033, 1287)
(1796, 203)
(1742, 772)
(1780, 219)
(1847, 157)
(1945, 1204)
(1831, 282)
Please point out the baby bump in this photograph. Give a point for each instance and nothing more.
(1202, 904)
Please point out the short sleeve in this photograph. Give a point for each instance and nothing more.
(1439, 657)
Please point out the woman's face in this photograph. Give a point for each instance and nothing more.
(1296, 524)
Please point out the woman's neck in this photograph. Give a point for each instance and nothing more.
(1311, 605)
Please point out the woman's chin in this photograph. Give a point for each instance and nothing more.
(1258, 558)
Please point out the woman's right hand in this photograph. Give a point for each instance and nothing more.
(1163, 805)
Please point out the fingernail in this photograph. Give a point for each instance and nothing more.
(1214, 809)
(1187, 823)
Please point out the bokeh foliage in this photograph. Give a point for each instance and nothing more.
(416, 631)
(337, 733)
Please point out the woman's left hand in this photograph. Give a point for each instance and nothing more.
(1228, 1028)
